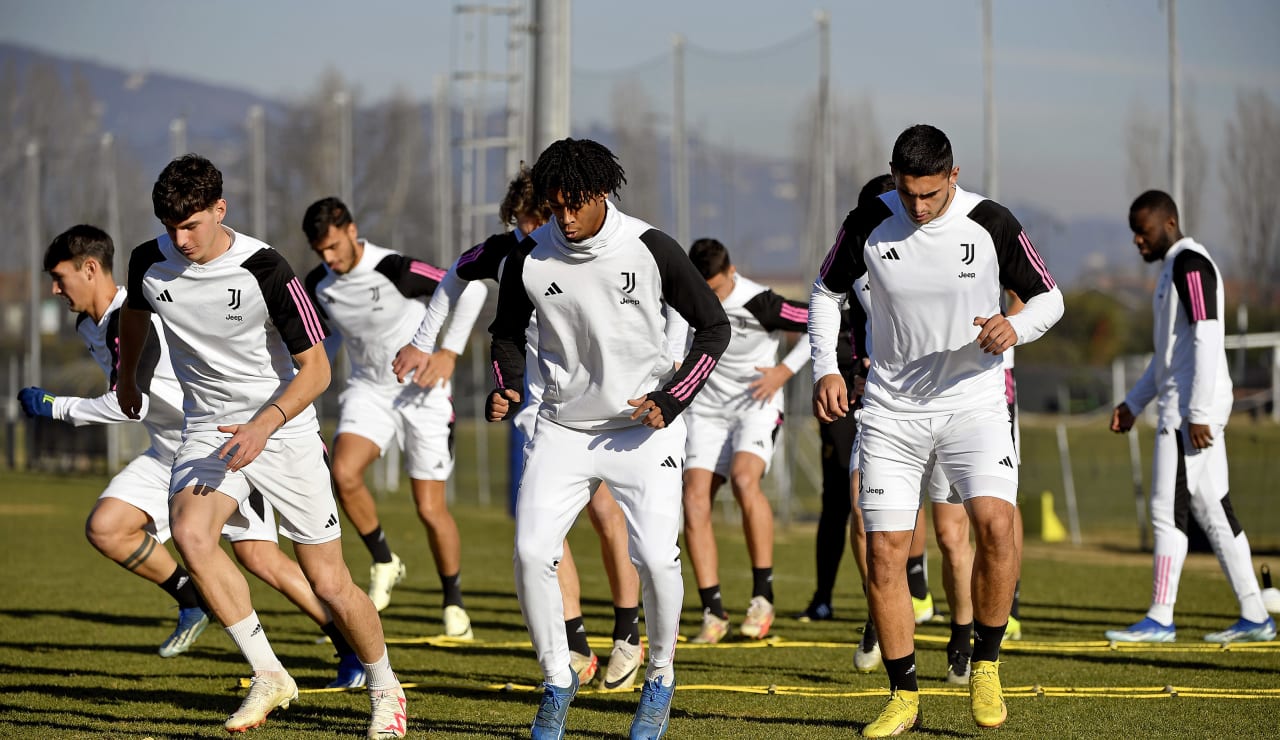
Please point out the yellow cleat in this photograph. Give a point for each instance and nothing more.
(901, 714)
(985, 697)
(1013, 631)
(923, 608)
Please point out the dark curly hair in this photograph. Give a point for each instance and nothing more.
(188, 185)
(519, 200)
(580, 170)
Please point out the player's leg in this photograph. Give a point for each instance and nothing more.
(745, 473)
(627, 654)
(918, 572)
(708, 452)
(582, 658)
(837, 443)
(352, 455)
(951, 528)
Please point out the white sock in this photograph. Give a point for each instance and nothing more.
(1252, 609)
(251, 638)
(380, 674)
(561, 679)
(1162, 613)
(665, 672)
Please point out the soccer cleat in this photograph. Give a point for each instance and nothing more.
(586, 666)
(191, 622)
(957, 667)
(713, 629)
(1148, 630)
(923, 608)
(986, 700)
(1245, 631)
(389, 716)
(901, 714)
(866, 657)
(654, 712)
(382, 578)
(1012, 631)
(759, 618)
(624, 665)
(457, 625)
(351, 673)
(553, 709)
(817, 611)
(267, 692)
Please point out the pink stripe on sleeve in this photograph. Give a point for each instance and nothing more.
(497, 376)
(685, 389)
(1195, 289)
(471, 255)
(425, 270)
(794, 313)
(831, 255)
(1034, 257)
(306, 311)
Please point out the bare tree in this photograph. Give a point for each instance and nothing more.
(1251, 174)
(1144, 141)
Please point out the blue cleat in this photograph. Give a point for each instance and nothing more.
(1148, 630)
(191, 622)
(351, 673)
(654, 711)
(553, 710)
(1245, 631)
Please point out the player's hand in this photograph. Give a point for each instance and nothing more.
(830, 398)
(860, 379)
(500, 403)
(770, 380)
(408, 360)
(997, 334)
(1121, 418)
(35, 402)
(648, 412)
(1200, 436)
(248, 439)
(130, 399)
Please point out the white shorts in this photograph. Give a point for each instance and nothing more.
(972, 449)
(144, 485)
(1180, 471)
(420, 421)
(714, 439)
(292, 474)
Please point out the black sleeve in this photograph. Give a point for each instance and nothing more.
(143, 257)
(291, 311)
(146, 363)
(776, 313)
(508, 328)
(844, 262)
(1022, 270)
(413, 278)
(1197, 284)
(687, 292)
(312, 282)
(484, 260)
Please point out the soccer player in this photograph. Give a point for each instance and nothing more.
(486, 260)
(247, 347)
(371, 296)
(1189, 380)
(599, 281)
(936, 257)
(130, 522)
(733, 426)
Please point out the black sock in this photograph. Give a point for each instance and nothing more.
(986, 641)
(626, 624)
(902, 673)
(917, 578)
(376, 541)
(577, 634)
(183, 589)
(1017, 596)
(710, 597)
(961, 634)
(340, 644)
(762, 583)
(452, 586)
(869, 636)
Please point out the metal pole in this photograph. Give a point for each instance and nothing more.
(679, 145)
(342, 104)
(257, 126)
(1064, 455)
(442, 163)
(178, 137)
(1175, 113)
(517, 59)
(826, 157)
(35, 249)
(990, 185)
(552, 60)
(111, 192)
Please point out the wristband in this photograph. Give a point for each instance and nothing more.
(282, 413)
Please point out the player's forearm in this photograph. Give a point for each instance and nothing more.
(1143, 391)
(799, 354)
(311, 380)
(134, 325)
(1208, 343)
(104, 409)
(466, 309)
(1038, 315)
(824, 330)
(439, 308)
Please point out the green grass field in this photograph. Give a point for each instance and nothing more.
(78, 637)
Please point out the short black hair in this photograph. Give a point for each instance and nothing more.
(520, 201)
(188, 185)
(710, 257)
(78, 243)
(922, 150)
(579, 169)
(322, 214)
(874, 188)
(1157, 201)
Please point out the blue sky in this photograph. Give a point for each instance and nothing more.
(1067, 73)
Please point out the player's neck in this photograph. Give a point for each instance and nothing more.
(102, 300)
(357, 254)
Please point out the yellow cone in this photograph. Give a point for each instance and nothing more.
(1051, 529)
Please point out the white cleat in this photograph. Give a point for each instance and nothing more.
(457, 625)
(759, 618)
(390, 716)
(382, 578)
(625, 662)
(267, 692)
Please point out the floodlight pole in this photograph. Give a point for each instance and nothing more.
(990, 185)
(679, 145)
(551, 72)
(1175, 115)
